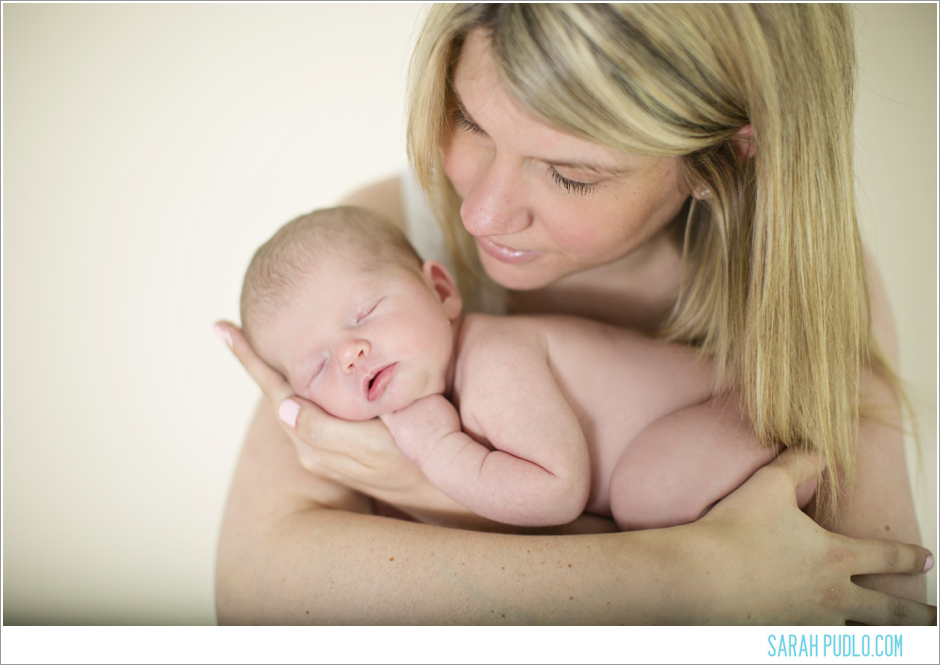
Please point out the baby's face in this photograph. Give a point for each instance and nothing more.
(360, 344)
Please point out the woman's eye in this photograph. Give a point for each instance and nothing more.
(465, 123)
(572, 186)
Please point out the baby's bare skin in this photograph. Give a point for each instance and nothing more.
(557, 416)
(599, 408)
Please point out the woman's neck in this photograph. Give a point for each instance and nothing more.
(638, 291)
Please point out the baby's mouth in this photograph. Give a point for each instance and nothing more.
(376, 384)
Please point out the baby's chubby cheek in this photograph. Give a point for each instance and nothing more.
(332, 401)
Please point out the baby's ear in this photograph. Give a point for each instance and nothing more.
(440, 281)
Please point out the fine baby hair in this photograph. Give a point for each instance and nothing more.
(363, 238)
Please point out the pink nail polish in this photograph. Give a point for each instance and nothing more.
(288, 411)
(223, 334)
(928, 564)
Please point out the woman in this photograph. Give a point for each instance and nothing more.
(670, 168)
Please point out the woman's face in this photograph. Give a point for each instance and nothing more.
(541, 203)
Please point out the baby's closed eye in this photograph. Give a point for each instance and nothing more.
(302, 380)
(369, 309)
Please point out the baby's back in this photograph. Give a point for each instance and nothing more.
(617, 381)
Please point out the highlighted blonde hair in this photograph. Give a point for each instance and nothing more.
(773, 285)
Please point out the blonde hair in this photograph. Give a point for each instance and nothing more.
(773, 285)
(279, 266)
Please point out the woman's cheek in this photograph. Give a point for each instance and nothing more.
(576, 231)
(459, 163)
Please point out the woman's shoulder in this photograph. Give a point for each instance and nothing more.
(383, 197)
(400, 199)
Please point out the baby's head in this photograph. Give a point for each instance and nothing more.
(340, 303)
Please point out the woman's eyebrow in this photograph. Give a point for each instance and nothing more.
(599, 169)
(608, 170)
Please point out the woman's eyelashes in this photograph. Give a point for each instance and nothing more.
(463, 122)
(573, 186)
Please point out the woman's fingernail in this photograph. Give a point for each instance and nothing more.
(928, 564)
(223, 334)
(288, 411)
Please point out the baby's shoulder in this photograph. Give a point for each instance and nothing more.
(542, 332)
(500, 343)
(489, 333)
(555, 336)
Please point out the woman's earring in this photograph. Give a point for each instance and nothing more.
(702, 193)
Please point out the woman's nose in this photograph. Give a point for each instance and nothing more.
(496, 204)
(352, 352)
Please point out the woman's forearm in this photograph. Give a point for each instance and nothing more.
(295, 548)
(330, 567)
(880, 503)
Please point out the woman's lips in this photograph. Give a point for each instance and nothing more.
(505, 254)
(376, 386)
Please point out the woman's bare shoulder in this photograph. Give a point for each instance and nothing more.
(382, 197)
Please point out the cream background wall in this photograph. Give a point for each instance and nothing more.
(147, 150)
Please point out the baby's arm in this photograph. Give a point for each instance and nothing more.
(680, 465)
(539, 473)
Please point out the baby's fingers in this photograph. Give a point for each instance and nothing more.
(270, 381)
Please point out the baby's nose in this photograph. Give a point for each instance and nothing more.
(352, 353)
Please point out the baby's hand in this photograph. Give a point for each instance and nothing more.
(420, 425)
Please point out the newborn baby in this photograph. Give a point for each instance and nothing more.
(526, 420)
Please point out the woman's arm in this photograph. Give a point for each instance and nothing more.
(296, 549)
(881, 505)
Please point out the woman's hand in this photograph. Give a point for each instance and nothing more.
(803, 573)
(360, 455)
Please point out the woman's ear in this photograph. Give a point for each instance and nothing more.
(440, 281)
(744, 147)
(743, 141)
